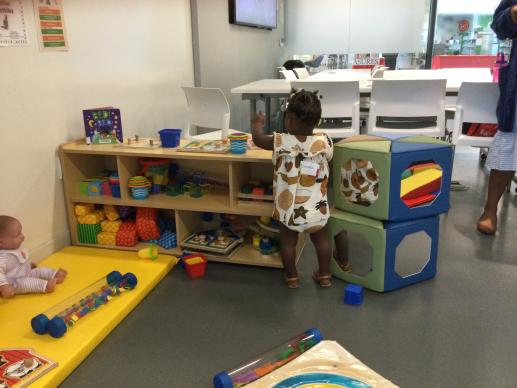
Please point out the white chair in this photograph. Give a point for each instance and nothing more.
(339, 99)
(301, 72)
(207, 108)
(407, 107)
(477, 103)
(288, 75)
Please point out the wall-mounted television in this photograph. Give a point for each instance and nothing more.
(253, 13)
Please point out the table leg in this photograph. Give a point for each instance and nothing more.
(268, 114)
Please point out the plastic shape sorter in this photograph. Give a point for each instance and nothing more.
(384, 256)
(392, 180)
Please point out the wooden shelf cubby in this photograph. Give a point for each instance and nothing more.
(80, 161)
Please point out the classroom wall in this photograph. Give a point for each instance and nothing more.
(227, 55)
(133, 55)
(355, 26)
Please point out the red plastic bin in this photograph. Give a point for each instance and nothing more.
(195, 270)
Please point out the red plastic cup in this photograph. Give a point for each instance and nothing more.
(195, 270)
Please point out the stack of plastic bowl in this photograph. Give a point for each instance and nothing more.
(139, 186)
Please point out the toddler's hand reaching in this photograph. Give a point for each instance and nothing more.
(257, 123)
(6, 291)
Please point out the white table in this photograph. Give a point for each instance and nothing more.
(280, 88)
(341, 75)
(264, 89)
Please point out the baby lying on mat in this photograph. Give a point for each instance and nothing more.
(17, 274)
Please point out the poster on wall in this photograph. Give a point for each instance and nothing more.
(13, 30)
(50, 24)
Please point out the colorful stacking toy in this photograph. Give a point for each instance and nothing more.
(238, 143)
(389, 194)
(139, 186)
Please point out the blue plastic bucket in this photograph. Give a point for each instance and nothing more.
(170, 138)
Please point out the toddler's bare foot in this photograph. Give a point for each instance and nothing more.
(60, 275)
(51, 285)
(487, 223)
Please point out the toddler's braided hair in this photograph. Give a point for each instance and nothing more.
(305, 106)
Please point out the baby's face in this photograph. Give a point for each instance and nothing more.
(12, 238)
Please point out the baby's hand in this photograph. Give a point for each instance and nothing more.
(257, 123)
(6, 291)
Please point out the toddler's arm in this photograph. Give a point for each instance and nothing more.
(260, 140)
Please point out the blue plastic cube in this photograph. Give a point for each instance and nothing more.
(353, 294)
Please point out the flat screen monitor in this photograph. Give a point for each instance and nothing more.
(253, 13)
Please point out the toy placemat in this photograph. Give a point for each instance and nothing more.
(221, 241)
(209, 146)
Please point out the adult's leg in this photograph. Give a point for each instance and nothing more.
(288, 242)
(496, 186)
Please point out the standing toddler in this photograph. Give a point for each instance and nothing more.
(300, 182)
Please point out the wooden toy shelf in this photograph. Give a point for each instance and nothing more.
(80, 161)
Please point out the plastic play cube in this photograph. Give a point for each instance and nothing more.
(111, 226)
(111, 212)
(107, 238)
(384, 255)
(94, 217)
(392, 180)
(147, 224)
(353, 294)
(168, 239)
(87, 233)
(126, 235)
(82, 209)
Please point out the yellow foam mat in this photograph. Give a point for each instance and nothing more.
(84, 266)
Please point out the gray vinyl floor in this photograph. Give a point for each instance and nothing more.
(457, 330)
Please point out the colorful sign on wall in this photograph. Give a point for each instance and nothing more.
(50, 24)
(13, 31)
